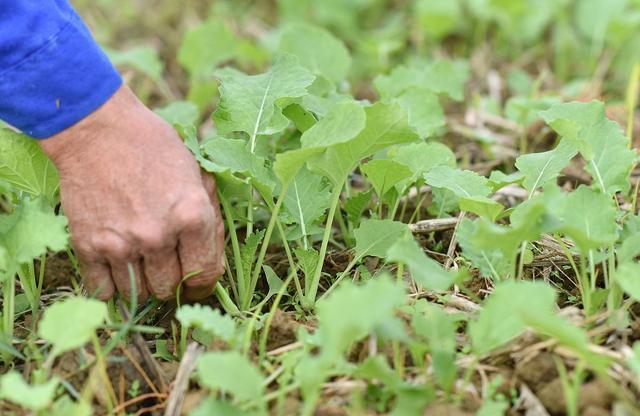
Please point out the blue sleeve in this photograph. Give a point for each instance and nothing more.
(52, 72)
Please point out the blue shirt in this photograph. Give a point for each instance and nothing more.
(52, 72)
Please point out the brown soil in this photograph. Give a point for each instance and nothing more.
(283, 330)
(593, 395)
(538, 371)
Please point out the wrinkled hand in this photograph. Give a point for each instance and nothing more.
(134, 194)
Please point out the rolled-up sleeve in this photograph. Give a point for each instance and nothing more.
(52, 71)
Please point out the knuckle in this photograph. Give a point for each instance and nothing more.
(193, 211)
(112, 246)
(151, 237)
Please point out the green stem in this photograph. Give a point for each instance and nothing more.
(265, 332)
(43, 263)
(310, 296)
(285, 244)
(394, 210)
(27, 281)
(263, 250)
(237, 258)
(292, 263)
(404, 208)
(399, 272)
(416, 211)
(110, 394)
(8, 306)
(250, 210)
(225, 301)
(345, 273)
(584, 286)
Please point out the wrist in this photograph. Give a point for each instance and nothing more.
(72, 142)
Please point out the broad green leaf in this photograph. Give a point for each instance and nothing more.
(289, 163)
(248, 103)
(493, 407)
(248, 251)
(302, 118)
(189, 136)
(213, 406)
(628, 250)
(356, 205)
(589, 218)
(386, 125)
(230, 372)
(550, 324)
(25, 166)
(307, 198)
(179, 112)
(33, 397)
(30, 230)
(493, 248)
(599, 140)
(482, 253)
(525, 110)
(375, 237)
(627, 275)
(540, 168)
(593, 17)
(273, 281)
(234, 155)
(426, 115)
(71, 323)
(498, 179)
(481, 206)
(66, 407)
(308, 261)
(521, 21)
(384, 174)
(376, 368)
(443, 202)
(5, 263)
(342, 123)
(207, 319)
(441, 77)
(142, 58)
(411, 399)
(439, 329)
(347, 315)
(206, 46)
(422, 157)
(427, 272)
(463, 183)
(500, 319)
(317, 49)
(438, 18)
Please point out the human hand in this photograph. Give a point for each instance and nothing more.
(134, 194)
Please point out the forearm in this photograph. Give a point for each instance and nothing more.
(52, 72)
